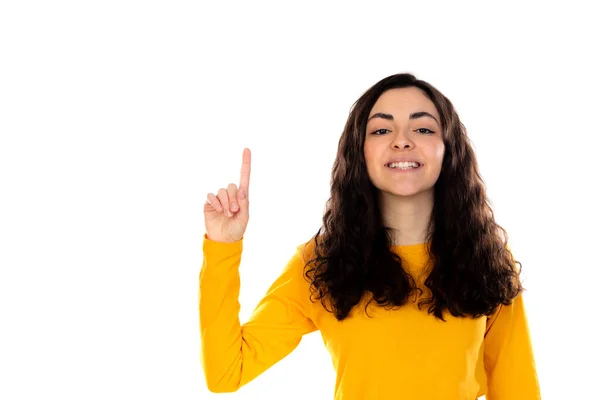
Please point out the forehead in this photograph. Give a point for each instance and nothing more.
(402, 101)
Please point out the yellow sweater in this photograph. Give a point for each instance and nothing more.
(404, 353)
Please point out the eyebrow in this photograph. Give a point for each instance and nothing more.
(415, 115)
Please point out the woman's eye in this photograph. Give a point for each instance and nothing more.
(430, 131)
(420, 130)
(378, 131)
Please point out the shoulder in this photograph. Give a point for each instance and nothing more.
(306, 250)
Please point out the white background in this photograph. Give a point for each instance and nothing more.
(118, 117)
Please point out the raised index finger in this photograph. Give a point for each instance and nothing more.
(245, 174)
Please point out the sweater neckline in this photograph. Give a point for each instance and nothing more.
(411, 248)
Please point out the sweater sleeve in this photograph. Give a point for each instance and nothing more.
(233, 354)
(508, 355)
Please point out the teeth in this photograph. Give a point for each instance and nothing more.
(404, 165)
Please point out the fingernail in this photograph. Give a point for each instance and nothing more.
(234, 207)
(242, 194)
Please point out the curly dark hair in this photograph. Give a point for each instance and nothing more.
(472, 271)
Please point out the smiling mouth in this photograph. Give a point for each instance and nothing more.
(404, 169)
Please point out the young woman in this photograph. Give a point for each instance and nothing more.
(419, 295)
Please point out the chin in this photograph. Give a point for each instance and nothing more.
(410, 192)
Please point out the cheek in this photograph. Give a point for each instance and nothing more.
(368, 152)
(438, 150)
(441, 149)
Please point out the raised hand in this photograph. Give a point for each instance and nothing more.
(226, 214)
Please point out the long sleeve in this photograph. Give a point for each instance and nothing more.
(233, 355)
(508, 355)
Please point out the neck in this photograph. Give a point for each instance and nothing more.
(408, 216)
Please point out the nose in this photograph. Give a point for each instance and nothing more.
(401, 141)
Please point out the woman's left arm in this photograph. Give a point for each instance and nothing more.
(508, 355)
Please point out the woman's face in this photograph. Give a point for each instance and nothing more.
(398, 128)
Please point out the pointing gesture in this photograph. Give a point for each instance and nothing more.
(245, 173)
(226, 214)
